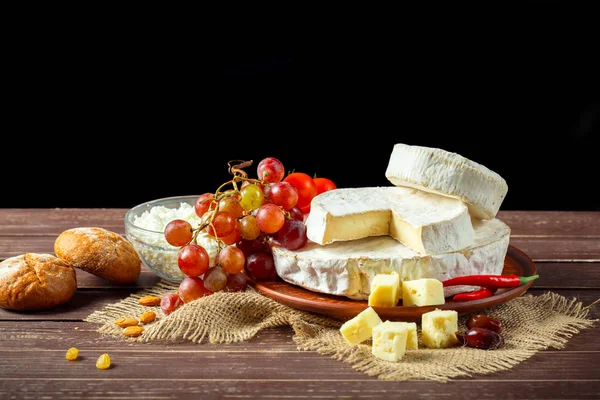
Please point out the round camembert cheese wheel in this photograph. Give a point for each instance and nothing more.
(425, 222)
(450, 174)
(347, 268)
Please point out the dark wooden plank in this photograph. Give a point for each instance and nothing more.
(11, 246)
(86, 280)
(306, 365)
(556, 223)
(555, 249)
(142, 387)
(83, 303)
(568, 276)
(52, 221)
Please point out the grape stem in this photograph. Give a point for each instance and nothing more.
(239, 175)
(238, 168)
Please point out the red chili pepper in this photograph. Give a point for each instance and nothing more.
(491, 281)
(475, 295)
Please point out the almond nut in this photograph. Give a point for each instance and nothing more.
(133, 331)
(149, 300)
(147, 317)
(125, 322)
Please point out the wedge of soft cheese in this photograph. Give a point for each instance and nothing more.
(423, 292)
(425, 222)
(389, 340)
(438, 328)
(359, 328)
(348, 268)
(385, 290)
(450, 174)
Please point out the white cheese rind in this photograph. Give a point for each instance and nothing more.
(347, 268)
(450, 174)
(425, 222)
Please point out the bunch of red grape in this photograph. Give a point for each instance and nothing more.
(246, 219)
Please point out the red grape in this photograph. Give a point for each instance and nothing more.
(270, 170)
(249, 228)
(215, 279)
(270, 218)
(260, 266)
(178, 232)
(251, 246)
(232, 259)
(236, 282)
(292, 234)
(193, 260)
(233, 237)
(283, 194)
(231, 204)
(202, 203)
(296, 213)
(222, 224)
(170, 302)
(192, 288)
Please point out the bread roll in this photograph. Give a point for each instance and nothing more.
(100, 252)
(33, 281)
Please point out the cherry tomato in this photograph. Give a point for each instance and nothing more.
(324, 185)
(306, 187)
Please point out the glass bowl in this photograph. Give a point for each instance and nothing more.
(144, 227)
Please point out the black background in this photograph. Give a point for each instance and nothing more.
(102, 115)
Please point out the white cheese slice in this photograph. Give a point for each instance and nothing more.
(450, 174)
(348, 268)
(425, 222)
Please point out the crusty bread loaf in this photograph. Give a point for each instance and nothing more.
(35, 281)
(100, 252)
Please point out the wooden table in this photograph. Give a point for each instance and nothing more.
(564, 245)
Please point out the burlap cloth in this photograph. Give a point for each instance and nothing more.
(531, 323)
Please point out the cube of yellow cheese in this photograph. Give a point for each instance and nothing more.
(389, 340)
(358, 329)
(385, 290)
(438, 328)
(422, 292)
(412, 340)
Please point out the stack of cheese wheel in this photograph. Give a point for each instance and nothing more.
(437, 220)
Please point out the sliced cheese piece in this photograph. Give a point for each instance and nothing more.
(438, 328)
(425, 222)
(450, 174)
(348, 268)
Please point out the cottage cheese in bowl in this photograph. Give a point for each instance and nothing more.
(144, 227)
